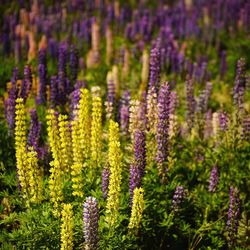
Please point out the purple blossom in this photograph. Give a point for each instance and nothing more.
(137, 168)
(233, 215)
(41, 98)
(190, 102)
(73, 63)
(223, 119)
(90, 223)
(53, 90)
(163, 123)
(105, 181)
(239, 84)
(213, 180)
(155, 67)
(124, 111)
(178, 197)
(246, 128)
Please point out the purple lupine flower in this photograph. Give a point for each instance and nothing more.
(155, 67)
(163, 124)
(41, 98)
(53, 90)
(173, 102)
(223, 120)
(90, 223)
(223, 64)
(124, 112)
(105, 181)
(137, 168)
(62, 77)
(34, 132)
(26, 83)
(233, 215)
(178, 198)
(213, 180)
(240, 83)
(73, 63)
(246, 128)
(190, 102)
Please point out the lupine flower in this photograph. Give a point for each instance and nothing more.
(55, 179)
(215, 124)
(124, 112)
(138, 166)
(34, 176)
(67, 227)
(240, 83)
(65, 142)
(96, 130)
(162, 127)
(246, 128)
(9, 107)
(110, 95)
(73, 64)
(208, 130)
(223, 120)
(42, 75)
(90, 223)
(145, 67)
(20, 146)
(233, 215)
(53, 91)
(76, 143)
(137, 210)
(213, 180)
(152, 110)
(84, 122)
(114, 159)
(105, 181)
(34, 132)
(154, 70)
(77, 179)
(190, 102)
(27, 82)
(178, 197)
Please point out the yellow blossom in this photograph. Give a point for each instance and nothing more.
(96, 130)
(137, 209)
(67, 227)
(114, 159)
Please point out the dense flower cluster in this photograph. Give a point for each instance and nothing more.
(90, 223)
(114, 158)
(137, 209)
(67, 227)
(233, 215)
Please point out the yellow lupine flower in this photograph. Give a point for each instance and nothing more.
(53, 134)
(35, 176)
(96, 130)
(65, 140)
(67, 227)
(114, 159)
(76, 173)
(55, 179)
(76, 148)
(20, 145)
(55, 185)
(84, 122)
(137, 209)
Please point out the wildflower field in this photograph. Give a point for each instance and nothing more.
(125, 124)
